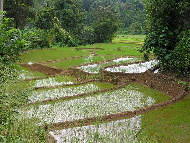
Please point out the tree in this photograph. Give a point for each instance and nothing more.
(20, 10)
(105, 23)
(44, 18)
(166, 20)
(71, 15)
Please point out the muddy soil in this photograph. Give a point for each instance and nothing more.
(43, 69)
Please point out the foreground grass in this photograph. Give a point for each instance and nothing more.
(168, 125)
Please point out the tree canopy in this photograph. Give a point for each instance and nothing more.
(167, 26)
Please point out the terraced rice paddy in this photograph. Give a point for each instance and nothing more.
(95, 68)
(134, 68)
(50, 82)
(95, 104)
(99, 105)
(62, 92)
(115, 131)
(78, 112)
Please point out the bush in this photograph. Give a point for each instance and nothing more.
(12, 98)
(105, 31)
(36, 38)
(11, 42)
(181, 54)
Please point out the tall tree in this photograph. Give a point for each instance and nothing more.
(71, 14)
(20, 10)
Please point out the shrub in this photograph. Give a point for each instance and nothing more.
(11, 42)
(37, 38)
(12, 98)
(165, 21)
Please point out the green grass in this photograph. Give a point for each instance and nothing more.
(138, 39)
(169, 124)
(51, 54)
(155, 94)
(64, 78)
(116, 49)
(68, 63)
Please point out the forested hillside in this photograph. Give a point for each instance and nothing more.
(131, 13)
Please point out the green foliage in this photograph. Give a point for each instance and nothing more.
(37, 38)
(181, 54)
(135, 28)
(11, 42)
(105, 23)
(44, 18)
(12, 127)
(71, 15)
(129, 12)
(165, 21)
(105, 31)
(20, 10)
(87, 35)
(61, 36)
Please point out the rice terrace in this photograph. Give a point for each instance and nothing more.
(86, 94)
(61, 87)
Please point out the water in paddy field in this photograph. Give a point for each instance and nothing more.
(94, 106)
(134, 68)
(95, 68)
(62, 92)
(113, 132)
(23, 75)
(50, 82)
(123, 60)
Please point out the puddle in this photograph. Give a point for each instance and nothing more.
(62, 92)
(134, 68)
(93, 69)
(123, 60)
(102, 104)
(116, 131)
(50, 82)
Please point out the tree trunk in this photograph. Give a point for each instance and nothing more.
(1, 5)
